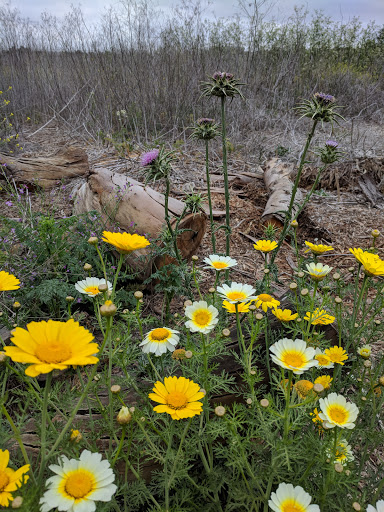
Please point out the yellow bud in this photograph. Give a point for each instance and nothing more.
(294, 223)
(108, 309)
(124, 416)
(76, 436)
(87, 267)
(16, 305)
(375, 233)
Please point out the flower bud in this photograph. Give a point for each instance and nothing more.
(219, 410)
(132, 409)
(178, 354)
(293, 286)
(351, 269)
(338, 300)
(188, 354)
(363, 398)
(115, 389)
(252, 307)
(259, 316)
(69, 299)
(356, 506)
(124, 416)
(93, 240)
(318, 388)
(381, 380)
(3, 357)
(202, 390)
(212, 290)
(138, 295)
(249, 401)
(226, 333)
(377, 322)
(103, 287)
(339, 467)
(108, 309)
(375, 233)
(87, 267)
(264, 403)
(195, 258)
(294, 223)
(300, 274)
(266, 271)
(17, 502)
(367, 363)
(76, 436)
(336, 276)
(187, 303)
(96, 377)
(347, 472)
(304, 292)
(252, 372)
(16, 305)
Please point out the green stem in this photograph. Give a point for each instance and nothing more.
(44, 423)
(102, 264)
(119, 447)
(287, 403)
(158, 376)
(213, 237)
(226, 185)
(167, 218)
(121, 259)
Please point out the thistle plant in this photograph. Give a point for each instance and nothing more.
(224, 85)
(206, 129)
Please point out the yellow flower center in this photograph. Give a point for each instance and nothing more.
(176, 400)
(236, 295)
(92, 289)
(264, 297)
(4, 480)
(322, 359)
(53, 352)
(159, 334)
(79, 484)
(202, 317)
(338, 414)
(294, 359)
(219, 264)
(291, 505)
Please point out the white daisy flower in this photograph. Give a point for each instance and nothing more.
(318, 271)
(237, 292)
(159, 340)
(203, 318)
(78, 484)
(90, 286)
(378, 508)
(292, 498)
(323, 359)
(336, 411)
(343, 452)
(293, 355)
(219, 262)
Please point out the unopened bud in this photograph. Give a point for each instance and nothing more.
(124, 416)
(16, 305)
(69, 298)
(212, 290)
(252, 372)
(364, 398)
(195, 258)
(188, 354)
(226, 333)
(338, 300)
(103, 287)
(304, 292)
(93, 240)
(178, 354)
(87, 266)
(356, 506)
(259, 316)
(293, 286)
(249, 401)
(318, 388)
(115, 389)
(377, 322)
(351, 269)
(202, 390)
(108, 309)
(338, 467)
(264, 403)
(298, 319)
(138, 295)
(125, 311)
(336, 276)
(252, 307)
(356, 325)
(375, 233)
(381, 380)
(187, 303)
(266, 271)
(142, 419)
(96, 377)
(132, 409)
(300, 274)
(367, 363)
(17, 502)
(176, 315)
(347, 472)
(294, 223)
(3, 357)
(219, 410)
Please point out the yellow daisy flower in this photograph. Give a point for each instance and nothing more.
(178, 397)
(8, 282)
(125, 242)
(365, 351)
(10, 479)
(324, 380)
(78, 484)
(265, 245)
(293, 355)
(323, 359)
(242, 307)
(373, 265)
(318, 248)
(319, 317)
(343, 452)
(291, 499)
(236, 292)
(202, 318)
(303, 388)
(51, 346)
(336, 411)
(316, 419)
(336, 354)
(284, 315)
(266, 301)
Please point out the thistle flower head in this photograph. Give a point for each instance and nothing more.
(205, 129)
(329, 153)
(222, 84)
(149, 157)
(320, 107)
(156, 164)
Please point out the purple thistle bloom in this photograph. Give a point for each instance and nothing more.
(324, 99)
(204, 121)
(149, 157)
(332, 144)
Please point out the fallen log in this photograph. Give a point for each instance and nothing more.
(46, 171)
(277, 179)
(126, 202)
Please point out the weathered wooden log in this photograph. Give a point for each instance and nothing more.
(123, 200)
(48, 170)
(277, 179)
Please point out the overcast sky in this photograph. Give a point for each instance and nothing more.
(341, 10)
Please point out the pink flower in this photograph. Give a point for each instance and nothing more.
(149, 157)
